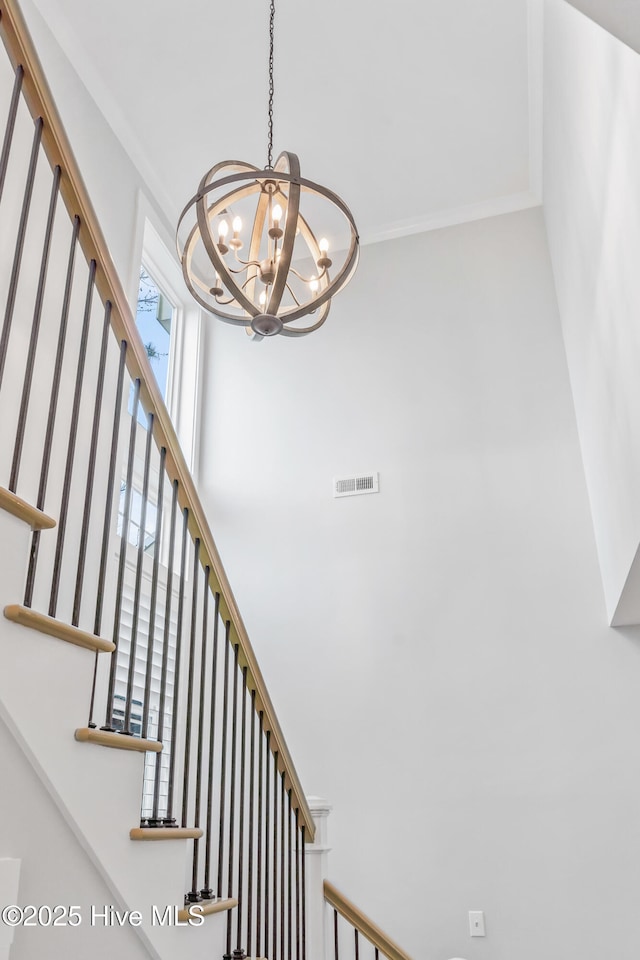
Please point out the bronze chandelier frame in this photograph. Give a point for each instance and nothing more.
(255, 289)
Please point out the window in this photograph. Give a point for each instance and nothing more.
(170, 325)
(154, 320)
(168, 321)
(135, 519)
(117, 716)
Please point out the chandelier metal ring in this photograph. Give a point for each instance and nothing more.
(287, 275)
(261, 285)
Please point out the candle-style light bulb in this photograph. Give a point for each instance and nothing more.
(223, 230)
(263, 298)
(313, 285)
(216, 290)
(275, 230)
(323, 260)
(236, 243)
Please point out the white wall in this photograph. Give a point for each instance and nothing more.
(111, 178)
(438, 653)
(592, 212)
(619, 17)
(30, 824)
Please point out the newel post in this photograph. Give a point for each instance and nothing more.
(317, 856)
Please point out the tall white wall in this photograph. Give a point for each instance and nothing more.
(438, 653)
(592, 213)
(30, 825)
(112, 179)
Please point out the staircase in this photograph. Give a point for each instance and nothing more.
(125, 667)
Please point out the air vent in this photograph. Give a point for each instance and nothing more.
(355, 485)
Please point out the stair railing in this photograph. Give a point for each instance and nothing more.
(92, 451)
(354, 935)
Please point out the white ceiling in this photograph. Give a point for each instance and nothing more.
(417, 112)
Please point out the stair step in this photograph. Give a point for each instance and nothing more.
(36, 519)
(119, 741)
(208, 907)
(56, 628)
(165, 833)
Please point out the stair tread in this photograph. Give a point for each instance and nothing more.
(119, 741)
(165, 833)
(208, 907)
(56, 628)
(37, 519)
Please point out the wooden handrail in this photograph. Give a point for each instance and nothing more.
(39, 99)
(363, 924)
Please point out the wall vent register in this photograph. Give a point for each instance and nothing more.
(356, 484)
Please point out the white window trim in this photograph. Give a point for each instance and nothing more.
(152, 247)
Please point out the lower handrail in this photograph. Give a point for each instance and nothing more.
(361, 922)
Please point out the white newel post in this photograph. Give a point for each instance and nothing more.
(316, 866)
(9, 880)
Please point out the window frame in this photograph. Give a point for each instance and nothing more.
(154, 254)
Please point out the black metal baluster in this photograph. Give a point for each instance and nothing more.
(153, 599)
(91, 468)
(192, 657)
(133, 647)
(10, 126)
(232, 791)
(297, 886)
(267, 839)
(113, 457)
(376, 954)
(35, 331)
(195, 895)
(207, 891)
(252, 759)
(53, 407)
(304, 895)
(283, 837)
(71, 447)
(275, 857)
(243, 731)
(154, 820)
(335, 935)
(289, 880)
(169, 820)
(124, 535)
(357, 944)
(259, 835)
(17, 257)
(223, 767)
(106, 527)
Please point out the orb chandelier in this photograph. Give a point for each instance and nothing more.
(249, 252)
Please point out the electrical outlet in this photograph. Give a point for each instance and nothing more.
(476, 923)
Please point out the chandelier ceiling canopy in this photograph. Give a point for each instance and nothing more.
(249, 250)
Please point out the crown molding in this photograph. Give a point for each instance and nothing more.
(494, 207)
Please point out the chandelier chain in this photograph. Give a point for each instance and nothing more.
(272, 17)
(262, 290)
